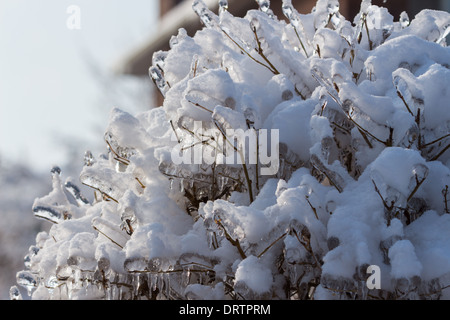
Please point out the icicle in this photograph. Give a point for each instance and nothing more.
(186, 276)
(182, 185)
(135, 283)
(154, 281)
(443, 36)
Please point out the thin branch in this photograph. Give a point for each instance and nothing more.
(234, 242)
(244, 51)
(272, 244)
(200, 106)
(440, 153)
(418, 184)
(261, 52)
(445, 194)
(313, 209)
(98, 230)
(437, 140)
(404, 101)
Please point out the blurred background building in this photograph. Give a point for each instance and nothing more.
(175, 14)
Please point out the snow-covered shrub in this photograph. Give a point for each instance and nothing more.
(363, 170)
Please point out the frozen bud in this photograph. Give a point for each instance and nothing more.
(418, 205)
(230, 103)
(88, 158)
(330, 206)
(404, 19)
(420, 171)
(56, 170)
(103, 264)
(63, 272)
(332, 242)
(393, 196)
(346, 105)
(287, 95)
(223, 5)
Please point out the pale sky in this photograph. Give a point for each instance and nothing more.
(49, 96)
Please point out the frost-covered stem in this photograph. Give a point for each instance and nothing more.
(386, 206)
(367, 31)
(437, 140)
(313, 209)
(261, 52)
(244, 165)
(364, 133)
(338, 188)
(249, 182)
(200, 106)
(140, 183)
(104, 195)
(364, 24)
(445, 194)
(99, 231)
(419, 138)
(117, 156)
(244, 51)
(272, 244)
(174, 131)
(404, 101)
(301, 42)
(418, 184)
(234, 242)
(257, 161)
(307, 245)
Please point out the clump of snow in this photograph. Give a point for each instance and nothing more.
(361, 156)
(252, 275)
